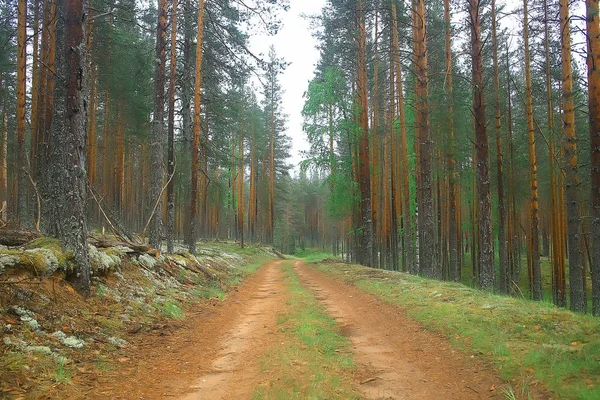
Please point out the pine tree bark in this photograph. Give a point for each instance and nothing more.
(454, 267)
(193, 234)
(593, 64)
(34, 88)
(576, 269)
(486, 270)
(402, 169)
(427, 261)
(535, 273)
(3, 168)
(558, 282)
(21, 165)
(74, 230)
(155, 232)
(171, 134)
(364, 173)
(502, 245)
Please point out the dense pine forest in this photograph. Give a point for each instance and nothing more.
(457, 140)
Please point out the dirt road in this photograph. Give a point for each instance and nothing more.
(215, 353)
(398, 358)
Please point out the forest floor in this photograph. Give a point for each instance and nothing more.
(291, 331)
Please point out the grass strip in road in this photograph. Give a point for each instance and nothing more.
(313, 361)
(528, 341)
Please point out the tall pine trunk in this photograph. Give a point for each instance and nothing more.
(535, 269)
(427, 261)
(193, 228)
(453, 230)
(158, 129)
(502, 242)
(486, 271)
(576, 270)
(593, 64)
(364, 173)
(171, 134)
(21, 163)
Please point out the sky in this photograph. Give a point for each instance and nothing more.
(294, 42)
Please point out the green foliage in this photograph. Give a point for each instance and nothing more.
(170, 309)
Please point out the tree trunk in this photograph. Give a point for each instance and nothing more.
(196, 141)
(593, 63)
(364, 173)
(427, 261)
(402, 160)
(72, 139)
(21, 164)
(454, 267)
(3, 168)
(536, 273)
(502, 246)
(171, 134)
(576, 270)
(155, 232)
(487, 275)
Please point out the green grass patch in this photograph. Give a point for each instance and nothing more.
(170, 309)
(313, 361)
(314, 255)
(526, 340)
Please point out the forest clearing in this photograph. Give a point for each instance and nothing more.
(300, 199)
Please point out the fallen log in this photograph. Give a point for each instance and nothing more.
(17, 237)
(103, 243)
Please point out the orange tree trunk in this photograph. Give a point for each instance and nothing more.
(193, 231)
(593, 37)
(454, 266)
(536, 275)
(504, 279)
(364, 174)
(401, 160)
(427, 261)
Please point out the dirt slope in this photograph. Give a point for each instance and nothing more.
(211, 355)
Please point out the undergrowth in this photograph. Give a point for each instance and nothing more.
(313, 361)
(525, 339)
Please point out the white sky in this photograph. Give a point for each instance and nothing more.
(295, 44)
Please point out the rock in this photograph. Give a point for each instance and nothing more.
(38, 349)
(117, 342)
(7, 261)
(47, 257)
(32, 323)
(7, 341)
(147, 261)
(60, 335)
(101, 260)
(73, 342)
(125, 318)
(69, 341)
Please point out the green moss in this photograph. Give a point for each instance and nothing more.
(53, 245)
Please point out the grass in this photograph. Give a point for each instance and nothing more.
(526, 340)
(171, 310)
(62, 374)
(313, 360)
